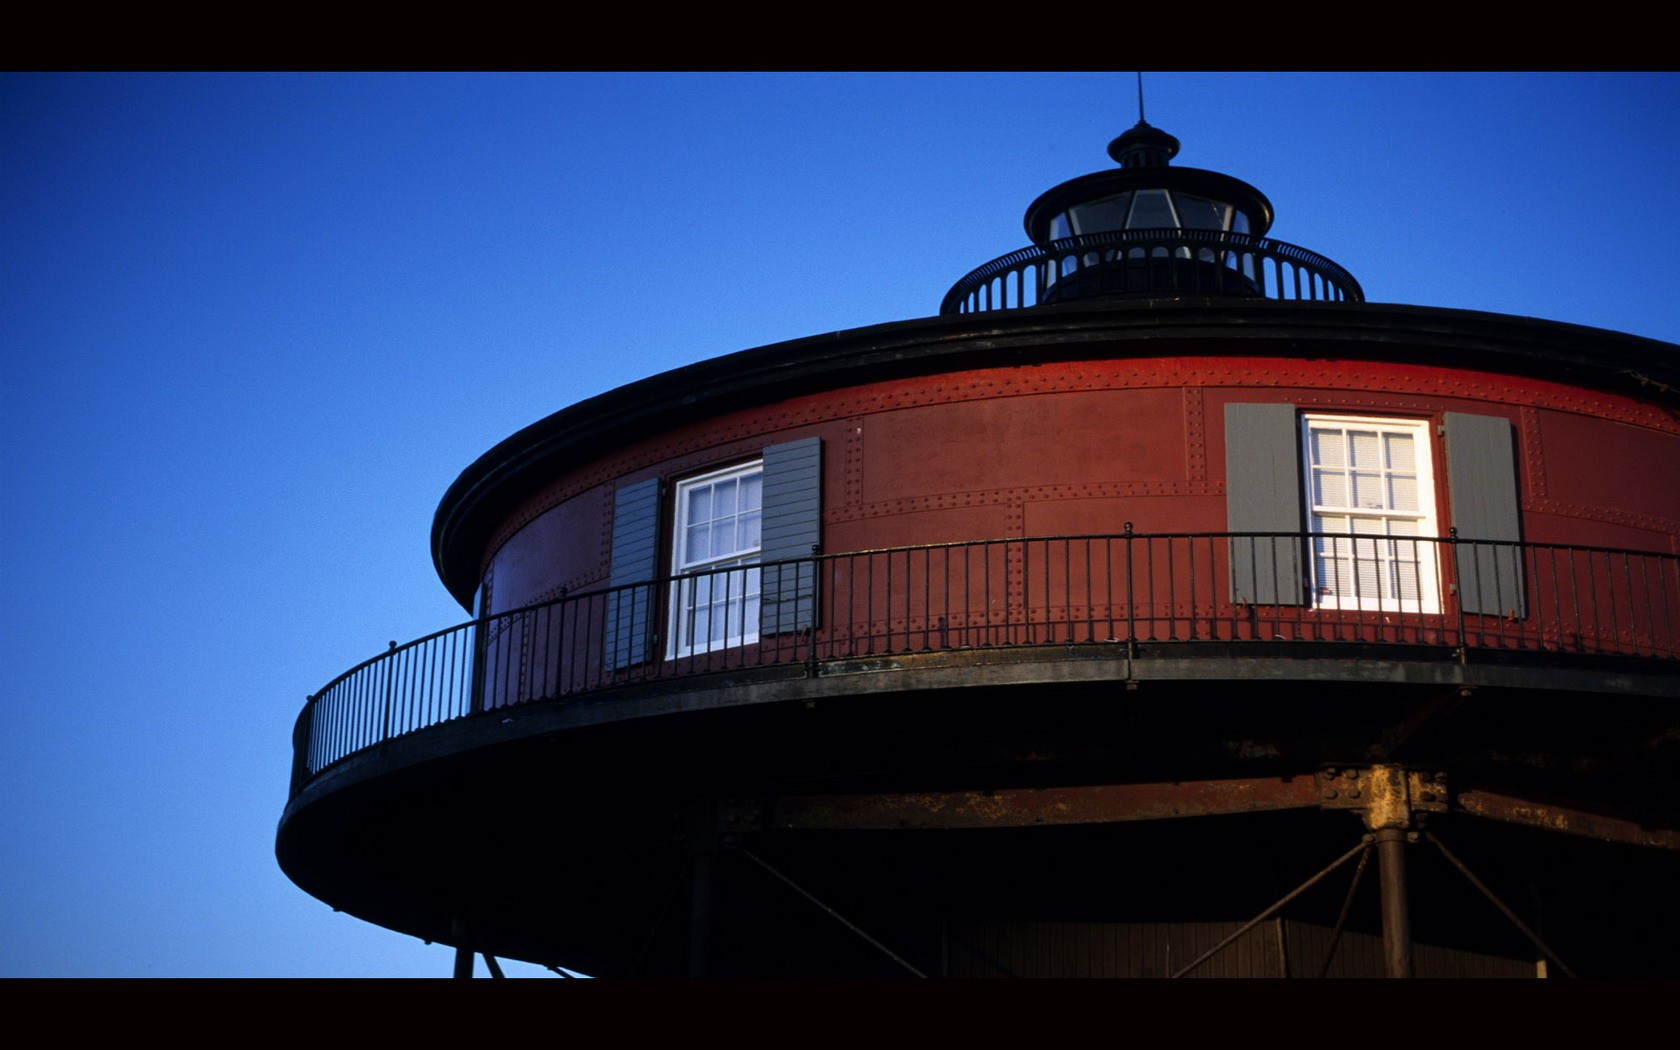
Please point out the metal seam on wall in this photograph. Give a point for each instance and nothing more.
(854, 461)
(1533, 457)
(1195, 435)
(1019, 496)
(1594, 512)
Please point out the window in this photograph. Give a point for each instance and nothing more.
(745, 533)
(1367, 491)
(1370, 509)
(718, 534)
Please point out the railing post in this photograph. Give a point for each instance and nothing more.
(810, 631)
(390, 687)
(559, 647)
(1131, 604)
(1463, 651)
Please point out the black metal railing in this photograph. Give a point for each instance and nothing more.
(1158, 262)
(1456, 597)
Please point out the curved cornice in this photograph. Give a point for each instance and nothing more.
(497, 481)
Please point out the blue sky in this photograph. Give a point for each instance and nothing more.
(254, 325)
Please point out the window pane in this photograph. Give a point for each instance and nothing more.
(1408, 579)
(1368, 492)
(1400, 455)
(700, 503)
(1327, 448)
(1403, 493)
(1150, 210)
(1330, 489)
(699, 546)
(723, 539)
(1101, 216)
(1199, 212)
(1366, 450)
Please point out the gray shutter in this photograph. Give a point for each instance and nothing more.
(635, 559)
(792, 526)
(1482, 489)
(1263, 493)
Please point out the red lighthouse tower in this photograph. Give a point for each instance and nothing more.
(1159, 607)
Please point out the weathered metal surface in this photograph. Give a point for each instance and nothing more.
(1096, 804)
(1565, 819)
(1387, 795)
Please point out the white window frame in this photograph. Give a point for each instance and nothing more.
(696, 578)
(1379, 535)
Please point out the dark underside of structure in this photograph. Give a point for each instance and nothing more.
(982, 818)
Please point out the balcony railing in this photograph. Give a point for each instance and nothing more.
(1155, 262)
(1457, 599)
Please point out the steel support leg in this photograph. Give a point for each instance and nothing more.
(463, 947)
(1396, 916)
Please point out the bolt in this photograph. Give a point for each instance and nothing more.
(1330, 772)
(1354, 793)
(1353, 774)
(1331, 793)
(1412, 836)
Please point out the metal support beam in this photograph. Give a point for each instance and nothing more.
(841, 919)
(1031, 807)
(1396, 914)
(1342, 916)
(1273, 910)
(1566, 819)
(1497, 903)
(463, 948)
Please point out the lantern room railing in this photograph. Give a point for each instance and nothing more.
(1437, 598)
(1161, 262)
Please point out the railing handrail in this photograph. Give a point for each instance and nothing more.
(575, 626)
(1165, 237)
